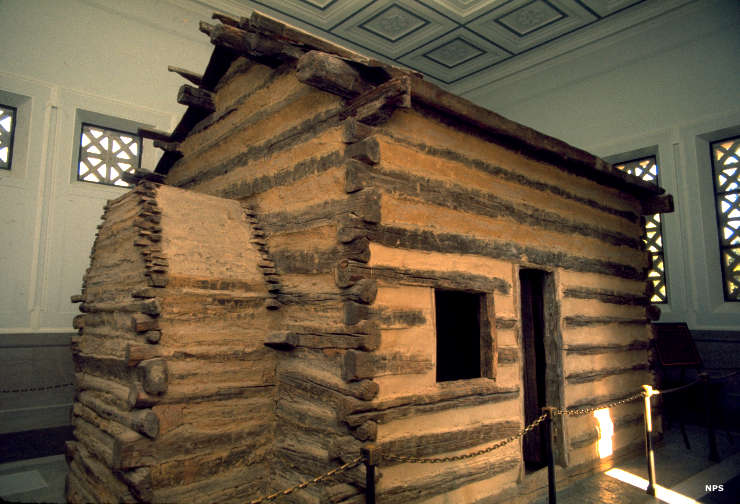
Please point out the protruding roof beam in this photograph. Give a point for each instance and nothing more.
(186, 74)
(196, 97)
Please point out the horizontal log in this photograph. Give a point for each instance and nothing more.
(392, 236)
(435, 483)
(139, 482)
(135, 353)
(77, 298)
(77, 491)
(586, 321)
(331, 74)
(193, 77)
(287, 340)
(250, 43)
(606, 296)
(227, 20)
(318, 385)
(273, 27)
(141, 322)
(511, 176)
(368, 431)
(148, 306)
(357, 250)
(504, 323)
(478, 202)
(657, 204)
(296, 135)
(196, 97)
(120, 392)
(137, 176)
(362, 365)
(508, 355)
(143, 421)
(378, 104)
(425, 445)
(591, 376)
(388, 317)
(349, 273)
(354, 131)
(93, 439)
(153, 134)
(155, 376)
(366, 151)
(474, 393)
(131, 450)
(364, 291)
(591, 349)
(139, 398)
(354, 313)
(101, 480)
(523, 139)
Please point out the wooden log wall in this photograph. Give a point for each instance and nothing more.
(174, 384)
(280, 311)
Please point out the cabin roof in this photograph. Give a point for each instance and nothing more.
(265, 38)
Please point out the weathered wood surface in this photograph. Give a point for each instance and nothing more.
(331, 74)
(349, 272)
(356, 413)
(377, 105)
(193, 77)
(195, 97)
(427, 445)
(520, 137)
(456, 476)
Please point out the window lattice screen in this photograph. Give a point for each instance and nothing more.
(106, 154)
(7, 132)
(726, 168)
(647, 169)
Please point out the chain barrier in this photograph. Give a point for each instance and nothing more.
(337, 470)
(35, 389)
(503, 442)
(586, 411)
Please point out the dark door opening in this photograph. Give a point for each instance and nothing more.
(532, 286)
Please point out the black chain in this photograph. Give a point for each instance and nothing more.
(35, 389)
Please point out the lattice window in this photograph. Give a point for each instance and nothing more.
(106, 154)
(726, 170)
(647, 170)
(7, 132)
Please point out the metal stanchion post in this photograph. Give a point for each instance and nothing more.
(370, 455)
(551, 491)
(706, 392)
(649, 392)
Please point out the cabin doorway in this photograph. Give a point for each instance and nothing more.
(540, 338)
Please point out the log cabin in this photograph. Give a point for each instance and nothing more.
(333, 252)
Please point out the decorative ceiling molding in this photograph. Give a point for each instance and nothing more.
(460, 45)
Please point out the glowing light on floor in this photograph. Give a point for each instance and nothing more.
(606, 431)
(661, 493)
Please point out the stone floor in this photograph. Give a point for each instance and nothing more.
(685, 471)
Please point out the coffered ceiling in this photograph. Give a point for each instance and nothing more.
(463, 44)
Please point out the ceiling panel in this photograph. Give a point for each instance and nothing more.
(523, 24)
(394, 27)
(462, 44)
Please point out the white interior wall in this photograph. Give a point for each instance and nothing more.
(61, 59)
(669, 86)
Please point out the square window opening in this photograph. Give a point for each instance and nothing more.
(7, 135)
(107, 154)
(464, 342)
